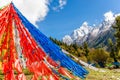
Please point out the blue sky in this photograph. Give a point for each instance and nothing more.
(57, 18)
(75, 12)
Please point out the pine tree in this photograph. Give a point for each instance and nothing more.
(112, 50)
(117, 32)
(85, 46)
(116, 27)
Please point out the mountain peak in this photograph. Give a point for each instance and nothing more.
(82, 31)
(89, 33)
(109, 16)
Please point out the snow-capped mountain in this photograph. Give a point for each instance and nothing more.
(82, 31)
(93, 35)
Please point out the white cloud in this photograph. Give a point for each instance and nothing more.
(33, 10)
(4, 2)
(109, 16)
(61, 5)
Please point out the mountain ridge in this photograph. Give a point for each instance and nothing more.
(95, 36)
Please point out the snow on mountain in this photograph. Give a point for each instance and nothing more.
(82, 31)
(91, 33)
(67, 40)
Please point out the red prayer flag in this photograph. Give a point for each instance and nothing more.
(21, 77)
(65, 72)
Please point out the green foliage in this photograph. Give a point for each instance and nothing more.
(109, 60)
(83, 58)
(98, 56)
(112, 49)
(116, 27)
(1, 72)
(119, 55)
(27, 72)
(86, 50)
(117, 32)
(73, 48)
